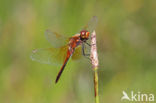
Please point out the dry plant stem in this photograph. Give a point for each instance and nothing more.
(95, 63)
(96, 85)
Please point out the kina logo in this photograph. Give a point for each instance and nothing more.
(140, 97)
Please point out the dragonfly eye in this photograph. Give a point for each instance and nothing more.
(87, 34)
(84, 34)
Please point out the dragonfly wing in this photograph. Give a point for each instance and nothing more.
(54, 56)
(56, 39)
(91, 24)
(77, 53)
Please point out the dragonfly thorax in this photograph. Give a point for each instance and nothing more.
(84, 35)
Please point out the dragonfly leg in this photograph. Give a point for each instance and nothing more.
(83, 52)
(87, 43)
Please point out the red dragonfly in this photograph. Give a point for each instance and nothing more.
(64, 48)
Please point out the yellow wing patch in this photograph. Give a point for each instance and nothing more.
(77, 54)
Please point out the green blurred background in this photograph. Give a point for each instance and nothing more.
(126, 38)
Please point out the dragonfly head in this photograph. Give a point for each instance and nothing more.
(84, 35)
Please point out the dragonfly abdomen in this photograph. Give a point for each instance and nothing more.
(69, 54)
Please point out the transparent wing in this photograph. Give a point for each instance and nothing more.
(91, 24)
(54, 56)
(77, 53)
(86, 48)
(56, 39)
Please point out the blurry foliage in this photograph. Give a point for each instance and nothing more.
(126, 44)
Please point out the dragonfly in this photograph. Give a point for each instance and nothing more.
(63, 48)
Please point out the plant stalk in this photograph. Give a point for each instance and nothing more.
(95, 64)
